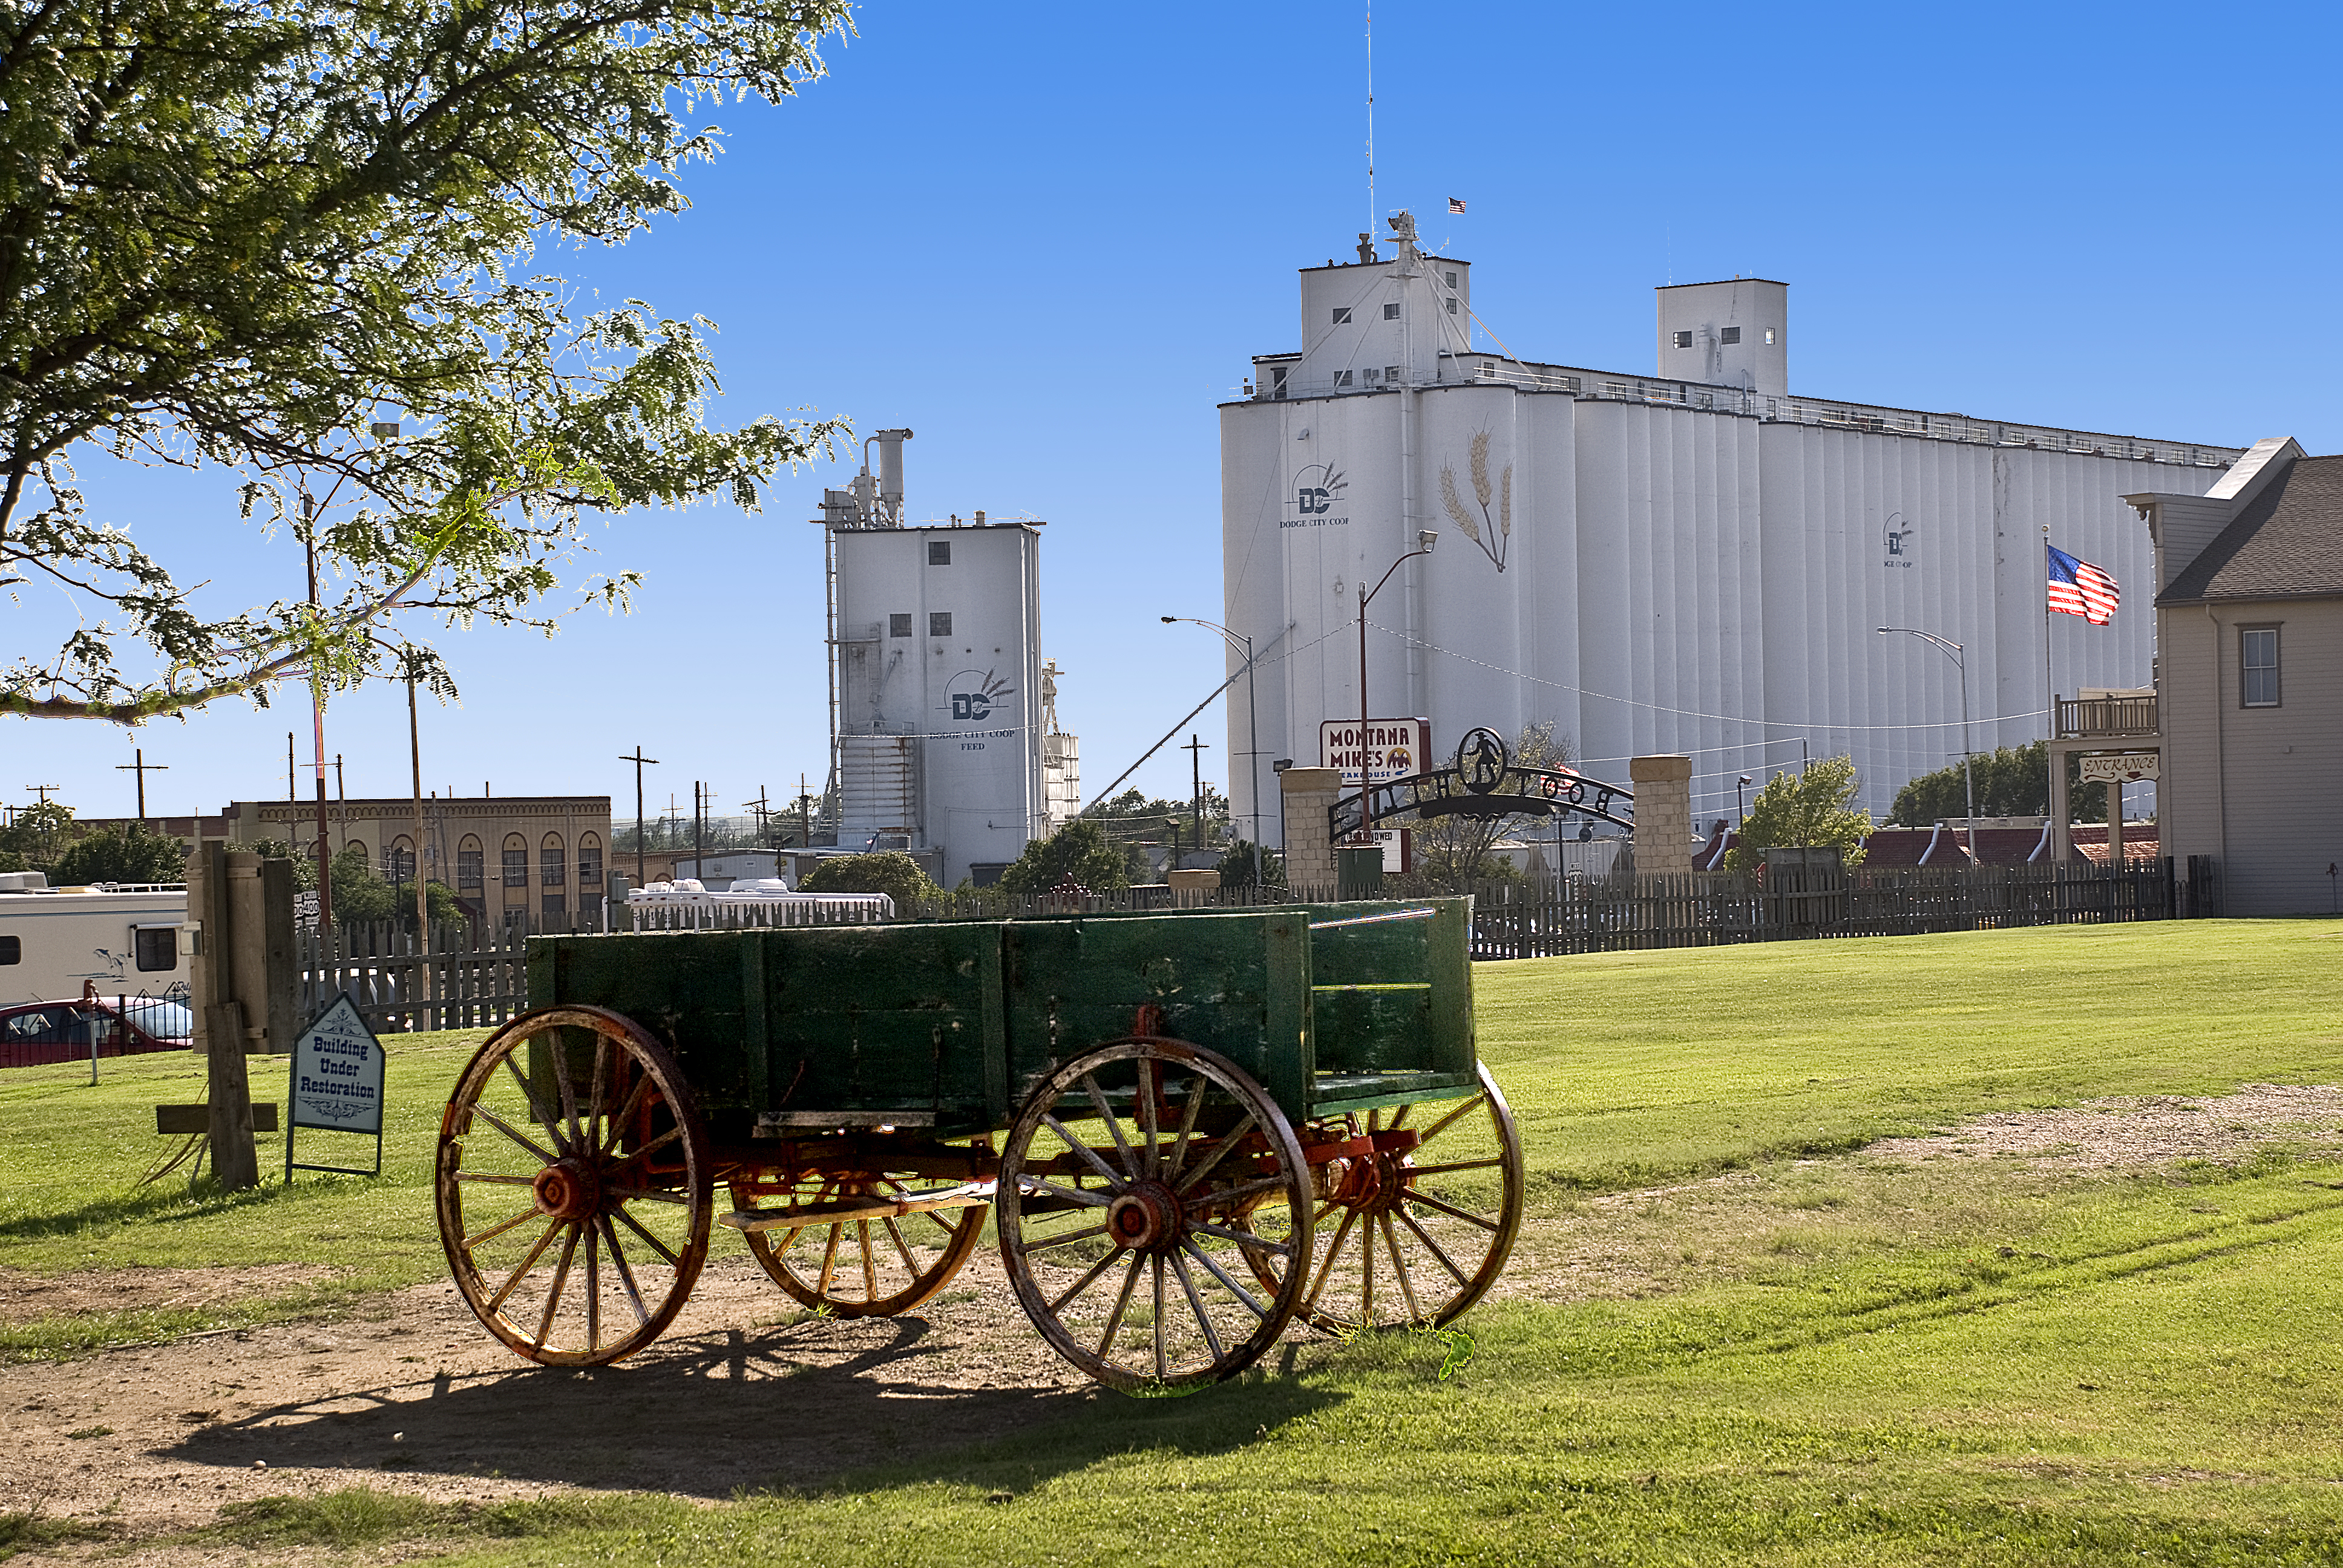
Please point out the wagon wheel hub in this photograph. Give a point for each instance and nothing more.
(1145, 1217)
(567, 1189)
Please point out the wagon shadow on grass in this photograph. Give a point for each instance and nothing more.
(717, 1414)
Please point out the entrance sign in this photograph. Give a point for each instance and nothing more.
(2129, 769)
(1395, 747)
(337, 1084)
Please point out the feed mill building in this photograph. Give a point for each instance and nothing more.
(1694, 560)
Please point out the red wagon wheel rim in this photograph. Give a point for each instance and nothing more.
(573, 1186)
(1124, 1244)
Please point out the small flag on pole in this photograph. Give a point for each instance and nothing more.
(2079, 588)
(1456, 204)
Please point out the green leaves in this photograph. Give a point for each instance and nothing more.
(238, 234)
(1812, 810)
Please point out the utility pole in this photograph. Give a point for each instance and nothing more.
(415, 755)
(805, 814)
(318, 720)
(142, 770)
(342, 803)
(1195, 749)
(763, 809)
(641, 762)
(698, 825)
(43, 790)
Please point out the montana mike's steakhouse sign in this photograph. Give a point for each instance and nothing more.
(1395, 748)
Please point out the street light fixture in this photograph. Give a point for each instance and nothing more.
(1739, 810)
(1425, 542)
(1958, 654)
(1253, 728)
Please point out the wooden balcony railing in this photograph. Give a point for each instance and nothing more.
(2106, 717)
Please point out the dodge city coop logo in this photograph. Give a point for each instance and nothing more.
(1317, 493)
(973, 694)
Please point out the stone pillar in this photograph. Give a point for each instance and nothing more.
(1310, 793)
(1662, 837)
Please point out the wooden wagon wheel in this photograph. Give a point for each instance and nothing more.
(861, 1268)
(574, 1186)
(1119, 1227)
(1414, 1220)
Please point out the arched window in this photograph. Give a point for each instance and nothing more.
(589, 862)
(552, 863)
(399, 860)
(515, 860)
(359, 846)
(470, 856)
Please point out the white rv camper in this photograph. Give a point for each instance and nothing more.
(55, 941)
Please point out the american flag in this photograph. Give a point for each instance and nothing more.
(2079, 588)
(1456, 204)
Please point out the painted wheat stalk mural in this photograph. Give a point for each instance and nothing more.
(1493, 532)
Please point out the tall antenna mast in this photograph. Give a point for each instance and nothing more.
(1371, 117)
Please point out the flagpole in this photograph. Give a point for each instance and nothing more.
(2049, 687)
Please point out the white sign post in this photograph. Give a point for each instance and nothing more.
(337, 1084)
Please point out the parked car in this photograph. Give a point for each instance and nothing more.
(35, 1032)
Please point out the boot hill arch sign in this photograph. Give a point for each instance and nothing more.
(1483, 780)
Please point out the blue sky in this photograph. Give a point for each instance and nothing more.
(1049, 239)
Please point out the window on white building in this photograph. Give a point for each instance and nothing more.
(1342, 315)
(1769, 335)
(940, 623)
(938, 552)
(1451, 305)
(1452, 280)
(1342, 379)
(1391, 311)
(2257, 666)
(1729, 334)
(899, 626)
(1684, 340)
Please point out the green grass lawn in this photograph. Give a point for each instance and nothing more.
(1859, 1364)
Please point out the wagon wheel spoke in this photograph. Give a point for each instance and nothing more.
(536, 1112)
(1162, 1360)
(1197, 1083)
(521, 1272)
(593, 1287)
(1089, 1155)
(1452, 1210)
(1431, 1246)
(1251, 1241)
(1437, 1127)
(625, 1274)
(1333, 1251)
(1221, 1196)
(553, 1291)
(910, 1266)
(1151, 1086)
(1235, 1136)
(829, 1259)
(493, 1231)
(509, 1130)
(560, 1054)
(614, 1129)
(1225, 1278)
(1123, 1301)
(1398, 1271)
(483, 1178)
(1034, 1186)
(1084, 1284)
(1113, 1126)
(1066, 1238)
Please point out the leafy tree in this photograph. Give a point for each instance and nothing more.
(2013, 782)
(363, 896)
(305, 864)
(1451, 853)
(1079, 852)
(129, 853)
(241, 232)
(888, 871)
(37, 837)
(1815, 810)
(1236, 867)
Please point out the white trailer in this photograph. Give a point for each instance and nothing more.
(55, 940)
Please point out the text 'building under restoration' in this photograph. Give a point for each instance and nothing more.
(1691, 561)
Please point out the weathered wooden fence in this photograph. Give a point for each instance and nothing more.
(1604, 915)
(477, 976)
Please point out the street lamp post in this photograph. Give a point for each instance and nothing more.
(1425, 540)
(1958, 654)
(1741, 811)
(1253, 729)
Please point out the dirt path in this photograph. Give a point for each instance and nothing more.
(420, 1400)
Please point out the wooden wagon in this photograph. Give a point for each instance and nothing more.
(1189, 1130)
